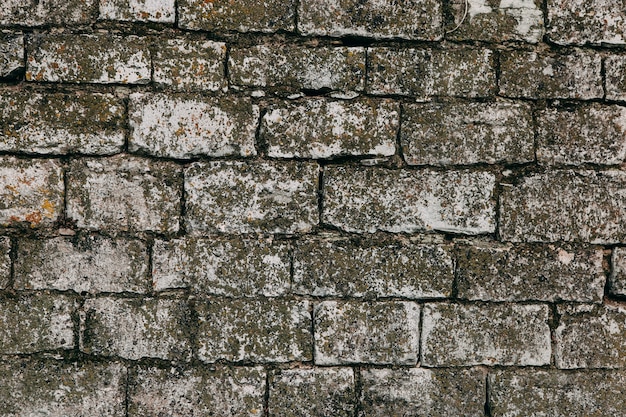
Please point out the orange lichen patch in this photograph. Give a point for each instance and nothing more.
(54, 65)
(11, 188)
(48, 208)
(34, 218)
(180, 131)
(15, 219)
(25, 180)
(144, 15)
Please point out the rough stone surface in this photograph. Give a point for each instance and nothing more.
(35, 323)
(297, 67)
(56, 389)
(138, 10)
(574, 74)
(408, 19)
(507, 20)
(197, 391)
(422, 392)
(319, 128)
(242, 15)
(47, 12)
(240, 197)
(11, 54)
(189, 64)
(31, 191)
(5, 262)
(184, 126)
(505, 272)
(430, 72)
(367, 200)
(99, 59)
(591, 337)
(57, 123)
(233, 268)
(341, 268)
(496, 334)
(615, 67)
(256, 330)
(136, 328)
(581, 22)
(124, 193)
(375, 333)
(565, 205)
(82, 264)
(460, 133)
(617, 279)
(518, 393)
(592, 133)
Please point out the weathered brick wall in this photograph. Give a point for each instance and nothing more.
(312, 208)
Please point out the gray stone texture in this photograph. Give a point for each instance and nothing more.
(581, 22)
(572, 74)
(163, 11)
(617, 278)
(342, 268)
(423, 392)
(318, 128)
(491, 334)
(11, 54)
(381, 333)
(5, 262)
(591, 337)
(523, 272)
(47, 12)
(461, 133)
(565, 205)
(197, 391)
(312, 392)
(431, 72)
(232, 268)
(258, 330)
(366, 200)
(615, 73)
(245, 197)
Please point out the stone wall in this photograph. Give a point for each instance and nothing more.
(312, 208)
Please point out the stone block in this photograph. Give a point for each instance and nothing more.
(163, 11)
(617, 278)
(581, 22)
(615, 73)
(47, 12)
(11, 54)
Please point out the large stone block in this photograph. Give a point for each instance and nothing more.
(581, 22)
(138, 10)
(617, 279)
(369, 199)
(5, 262)
(615, 73)
(496, 334)
(11, 54)
(47, 12)
(381, 333)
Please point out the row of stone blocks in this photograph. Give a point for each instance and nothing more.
(512, 20)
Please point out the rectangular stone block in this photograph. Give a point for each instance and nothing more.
(341, 268)
(240, 197)
(312, 392)
(136, 328)
(186, 126)
(615, 73)
(580, 22)
(592, 133)
(537, 392)
(36, 323)
(5, 262)
(381, 333)
(366, 200)
(83, 264)
(509, 20)
(232, 268)
(163, 11)
(11, 54)
(256, 330)
(573, 74)
(31, 191)
(617, 278)
(429, 72)
(241, 16)
(47, 12)
(57, 123)
(591, 336)
(294, 67)
(408, 19)
(124, 193)
(197, 391)
(318, 128)
(492, 334)
(505, 272)
(423, 392)
(189, 64)
(98, 59)
(563, 205)
(461, 133)
(57, 389)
